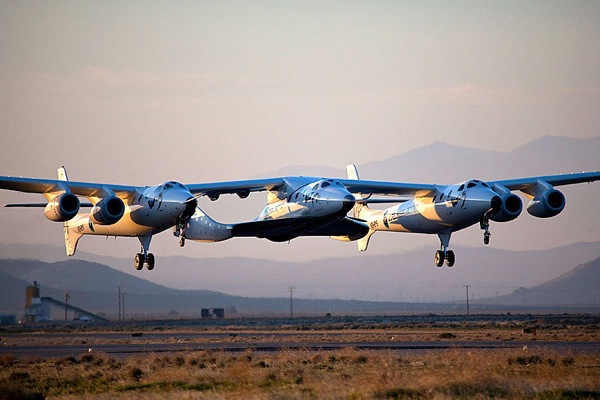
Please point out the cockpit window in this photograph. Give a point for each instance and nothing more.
(485, 184)
(167, 186)
(325, 184)
(461, 187)
(471, 185)
(338, 183)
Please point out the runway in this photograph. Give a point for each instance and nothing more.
(26, 345)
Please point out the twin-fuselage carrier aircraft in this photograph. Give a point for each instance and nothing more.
(296, 206)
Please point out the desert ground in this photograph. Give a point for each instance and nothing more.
(543, 357)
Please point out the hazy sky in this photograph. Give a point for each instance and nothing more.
(138, 91)
(142, 92)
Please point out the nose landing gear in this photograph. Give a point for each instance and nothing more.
(485, 225)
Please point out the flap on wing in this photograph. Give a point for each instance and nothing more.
(238, 187)
(382, 188)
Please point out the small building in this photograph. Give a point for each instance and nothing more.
(8, 319)
(215, 313)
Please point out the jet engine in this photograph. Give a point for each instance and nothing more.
(547, 204)
(107, 211)
(62, 208)
(506, 207)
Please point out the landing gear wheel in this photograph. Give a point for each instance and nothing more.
(181, 241)
(450, 258)
(150, 261)
(486, 238)
(439, 258)
(139, 261)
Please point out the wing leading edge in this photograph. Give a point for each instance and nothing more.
(554, 180)
(86, 189)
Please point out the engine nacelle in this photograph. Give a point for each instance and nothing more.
(547, 204)
(507, 208)
(107, 211)
(62, 208)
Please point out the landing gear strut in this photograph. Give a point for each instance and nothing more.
(179, 232)
(444, 254)
(143, 257)
(485, 225)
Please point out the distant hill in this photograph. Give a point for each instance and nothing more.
(579, 287)
(546, 155)
(408, 277)
(94, 287)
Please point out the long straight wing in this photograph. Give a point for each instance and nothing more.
(245, 186)
(554, 180)
(87, 189)
(382, 188)
(354, 186)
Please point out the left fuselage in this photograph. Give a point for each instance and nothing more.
(151, 211)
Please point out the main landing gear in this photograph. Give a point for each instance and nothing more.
(179, 232)
(444, 254)
(143, 257)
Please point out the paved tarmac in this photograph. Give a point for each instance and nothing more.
(32, 345)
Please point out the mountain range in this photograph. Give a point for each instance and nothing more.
(94, 287)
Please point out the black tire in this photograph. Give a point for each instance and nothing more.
(150, 262)
(450, 258)
(439, 258)
(138, 262)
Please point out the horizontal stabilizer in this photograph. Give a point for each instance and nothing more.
(41, 205)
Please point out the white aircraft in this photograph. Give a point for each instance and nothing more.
(442, 210)
(298, 206)
(117, 210)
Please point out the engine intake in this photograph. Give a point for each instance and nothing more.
(547, 204)
(506, 208)
(62, 208)
(108, 211)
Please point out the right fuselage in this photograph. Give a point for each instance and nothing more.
(454, 208)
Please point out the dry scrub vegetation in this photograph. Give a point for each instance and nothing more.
(307, 374)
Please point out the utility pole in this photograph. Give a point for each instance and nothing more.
(291, 289)
(467, 287)
(119, 302)
(123, 305)
(66, 303)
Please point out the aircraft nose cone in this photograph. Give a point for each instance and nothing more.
(348, 202)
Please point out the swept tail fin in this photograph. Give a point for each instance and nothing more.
(360, 209)
(71, 237)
